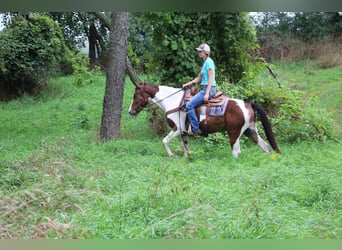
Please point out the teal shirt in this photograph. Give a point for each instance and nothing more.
(208, 64)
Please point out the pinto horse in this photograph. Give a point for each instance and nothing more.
(239, 118)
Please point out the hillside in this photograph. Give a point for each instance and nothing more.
(59, 181)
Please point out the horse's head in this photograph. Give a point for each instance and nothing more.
(142, 94)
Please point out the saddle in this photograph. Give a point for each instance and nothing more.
(216, 106)
(218, 99)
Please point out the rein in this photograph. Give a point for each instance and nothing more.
(150, 104)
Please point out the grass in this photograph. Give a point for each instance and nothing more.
(59, 181)
(323, 83)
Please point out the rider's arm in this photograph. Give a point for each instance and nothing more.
(192, 82)
(210, 82)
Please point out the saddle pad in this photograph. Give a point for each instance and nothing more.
(218, 110)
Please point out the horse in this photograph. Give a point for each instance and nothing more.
(239, 118)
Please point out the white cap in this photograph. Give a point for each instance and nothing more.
(204, 47)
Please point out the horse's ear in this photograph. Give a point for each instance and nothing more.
(139, 85)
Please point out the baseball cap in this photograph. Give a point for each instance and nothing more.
(204, 47)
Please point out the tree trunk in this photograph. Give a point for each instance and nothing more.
(92, 46)
(130, 70)
(116, 71)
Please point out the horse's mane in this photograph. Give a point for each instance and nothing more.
(149, 84)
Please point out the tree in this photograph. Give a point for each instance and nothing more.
(130, 70)
(305, 26)
(31, 48)
(77, 26)
(116, 71)
(231, 37)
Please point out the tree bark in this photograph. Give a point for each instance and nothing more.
(92, 46)
(116, 71)
(129, 68)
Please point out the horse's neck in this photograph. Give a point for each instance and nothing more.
(168, 98)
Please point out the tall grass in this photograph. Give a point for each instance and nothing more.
(326, 53)
(57, 180)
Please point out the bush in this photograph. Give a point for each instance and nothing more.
(300, 118)
(294, 115)
(30, 52)
(79, 64)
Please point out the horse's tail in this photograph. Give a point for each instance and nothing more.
(267, 126)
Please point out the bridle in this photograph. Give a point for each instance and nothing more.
(143, 99)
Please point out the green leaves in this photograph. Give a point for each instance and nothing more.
(31, 49)
(175, 35)
(174, 45)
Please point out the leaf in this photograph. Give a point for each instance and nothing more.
(174, 45)
(165, 42)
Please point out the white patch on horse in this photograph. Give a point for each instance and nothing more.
(167, 139)
(166, 99)
(130, 107)
(236, 147)
(260, 142)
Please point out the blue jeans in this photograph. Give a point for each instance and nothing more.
(195, 101)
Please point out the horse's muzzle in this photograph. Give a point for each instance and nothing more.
(132, 112)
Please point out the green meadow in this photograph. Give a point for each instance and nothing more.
(58, 180)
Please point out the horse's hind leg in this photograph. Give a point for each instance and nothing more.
(167, 139)
(234, 140)
(252, 133)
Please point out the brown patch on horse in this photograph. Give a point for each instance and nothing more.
(171, 124)
(141, 97)
(148, 89)
(235, 119)
(233, 116)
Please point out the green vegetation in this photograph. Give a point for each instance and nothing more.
(30, 50)
(175, 36)
(59, 181)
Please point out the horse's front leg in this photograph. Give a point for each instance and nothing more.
(185, 145)
(167, 139)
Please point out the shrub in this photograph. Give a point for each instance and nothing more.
(30, 52)
(294, 115)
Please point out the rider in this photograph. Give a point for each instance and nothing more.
(208, 87)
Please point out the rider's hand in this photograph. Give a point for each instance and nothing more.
(185, 85)
(206, 97)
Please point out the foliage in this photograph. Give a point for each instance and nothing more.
(304, 26)
(139, 41)
(75, 26)
(295, 114)
(175, 35)
(79, 66)
(297, 36)
(31, 49)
